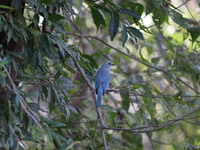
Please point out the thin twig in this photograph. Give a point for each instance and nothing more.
(183, 3)
(190, 12)
(167, 123)
(144, 95)
(170, 111)
(95, 131)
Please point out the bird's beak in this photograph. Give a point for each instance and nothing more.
(112, 64)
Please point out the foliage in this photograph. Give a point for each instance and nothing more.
(44, 100)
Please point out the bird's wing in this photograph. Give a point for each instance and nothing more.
(97, 81)
(102, 79)
(105, 86)
(105, 80)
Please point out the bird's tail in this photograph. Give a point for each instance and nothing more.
(99, 97)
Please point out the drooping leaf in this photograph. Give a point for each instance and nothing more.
(124, 34)
(135, 32)
(35, 61)
(55, 17)
(155, 60)
(97, 17)
(8, 110)
(54, 124)
(194, 32)
(137, 7)
(113, 25)
(129, 12)
(90, 58)
(125, 101)
(35, 32)
(57, 142)
(177, 17)
(9, 34)
(159, 16)
(11, 138)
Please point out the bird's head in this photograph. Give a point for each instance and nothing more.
(108, 65)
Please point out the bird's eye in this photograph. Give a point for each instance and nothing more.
(109, 63)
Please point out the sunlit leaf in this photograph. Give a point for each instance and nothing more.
(6, 7)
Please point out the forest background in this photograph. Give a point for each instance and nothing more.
(50, 51)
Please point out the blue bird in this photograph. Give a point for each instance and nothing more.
(102, 81)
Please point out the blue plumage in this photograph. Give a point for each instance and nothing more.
(102, 81)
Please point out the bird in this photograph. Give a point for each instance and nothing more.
(102, 81)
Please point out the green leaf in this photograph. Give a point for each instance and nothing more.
(136, 79)
(124, 34)
(10, 136)
(54, 124)
(113, 25)
(129, 12)
(101, 8)
(2, 63)
(90, 58)
(17, 131)
(36, 19)
(3, 74)
(194, 32)
(137, 7)
(35, 32)
(6, 7)
(135, 32)
(125, 101)
(9, 34)
(48, 2)
(55, 17)
(76, 3)
(177, 17)
(52, 99)
(155, 60)
(16, 54)
(57, 142)
(97, 17)
(8, 111)
(35, 60)
(159, 17)
(57, 75)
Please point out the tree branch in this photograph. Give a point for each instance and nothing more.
(159, 127)
(133, 57)
(26, 108)
(94, 99)
(134, 130)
